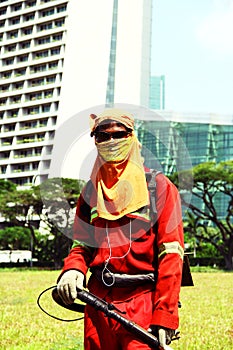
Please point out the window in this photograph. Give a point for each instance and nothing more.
(22, 58)
(43, 40)
(9, 127)
(6, 75)
(34, 97)
(24, 45)
(50, 80)
(15, 99)
(28, 125)
(12, 35)
(29, 17)
(42, 123)
(61, 9)
(10, 48)
(38, 68)
(13, 113)
(4, 88)
(55, 51)
(16, 7)
(30, 3)
(59, 23)
(48, 94)
(47, 12)
(18, 86)
(6, 141)
(40, 54)
(57, 37)
(3, 101)
(53, 65)
(2, 169)
(37, 82)
(4, 155)
(45, 26)
(15, 20)
(45, 108)
(20, 72)
(3, 11)
(27, 31)
(8, 61)
(33, 110)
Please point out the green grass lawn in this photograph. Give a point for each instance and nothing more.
(206, 316)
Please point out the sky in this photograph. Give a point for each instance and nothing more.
(192, 45)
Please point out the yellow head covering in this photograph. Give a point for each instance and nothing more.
(121, 187)
(118, 115)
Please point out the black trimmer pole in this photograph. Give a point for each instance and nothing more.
(110, 311)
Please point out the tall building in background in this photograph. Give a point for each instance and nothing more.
(59, 58)
(177, 141)
(32, 38)
(157, 92)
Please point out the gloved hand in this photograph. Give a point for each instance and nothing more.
(164, 335)
(67, 285)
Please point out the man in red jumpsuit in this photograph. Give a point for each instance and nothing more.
(135, 260)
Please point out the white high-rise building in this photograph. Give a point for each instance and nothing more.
(59, 58)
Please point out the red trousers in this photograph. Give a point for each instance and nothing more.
(104, 333)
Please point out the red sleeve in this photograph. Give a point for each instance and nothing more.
(170, 254)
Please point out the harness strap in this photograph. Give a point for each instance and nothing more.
(151, 184)
(123, 280)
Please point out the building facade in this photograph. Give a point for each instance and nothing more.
(157, 92)
(32, 35)
(177, 141)
(58, 58)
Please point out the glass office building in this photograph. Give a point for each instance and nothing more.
(170, 136)
(176, 141)
(157, 92)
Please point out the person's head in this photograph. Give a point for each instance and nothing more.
(113, 130)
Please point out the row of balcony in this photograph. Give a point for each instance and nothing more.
(23, 60)
(31, 34)
(33, 125)
(41, 97)
(24, 168)
(10, 156)
(18, 11)
(32, 85)
(25, 46)
(36, 69)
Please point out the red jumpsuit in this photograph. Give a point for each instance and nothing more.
(130, 245)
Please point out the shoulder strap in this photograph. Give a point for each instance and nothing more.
(88, 191)
(151, 184)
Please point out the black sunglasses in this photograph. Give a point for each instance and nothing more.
(102, 136)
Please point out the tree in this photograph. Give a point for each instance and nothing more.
(15, 238)
(59, 197)
(210, 184)
(16, 207)
(6, 186)
(53, 203)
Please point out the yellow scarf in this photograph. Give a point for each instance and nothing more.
(121, 186)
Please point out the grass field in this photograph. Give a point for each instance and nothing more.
(206, 316)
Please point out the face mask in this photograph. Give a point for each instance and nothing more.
(115, 150)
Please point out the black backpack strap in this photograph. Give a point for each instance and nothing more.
(151, 184)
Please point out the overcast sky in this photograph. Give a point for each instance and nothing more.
(192, 45)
